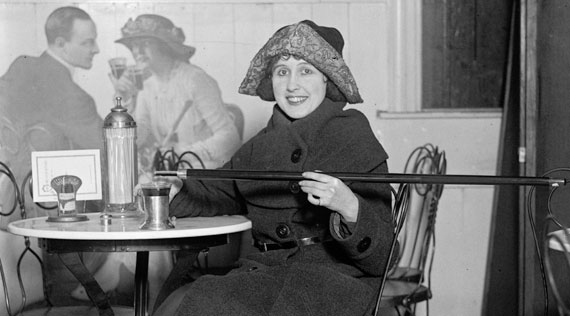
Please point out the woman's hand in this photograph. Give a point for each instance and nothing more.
(176, 185)
(332, 193)
(124, 87)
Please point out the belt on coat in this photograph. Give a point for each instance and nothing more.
(307, 241)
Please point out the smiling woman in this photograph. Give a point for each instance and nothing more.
(298, 86)
(319, 238)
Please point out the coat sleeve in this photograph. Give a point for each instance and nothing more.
(208, 198)
(369, 243)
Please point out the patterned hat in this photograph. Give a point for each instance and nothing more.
(159, 27)
(320, 46)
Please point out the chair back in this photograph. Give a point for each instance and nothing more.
(414, 213)
(417, 238)
(11, 151)
(400, 206)
(170, 160)
(17, 201)
(556, 253)
(237, 116)
(17, 142)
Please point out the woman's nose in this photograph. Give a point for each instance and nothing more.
(292, 83)
(136, 50)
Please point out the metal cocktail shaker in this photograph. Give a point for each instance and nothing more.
(119, 135)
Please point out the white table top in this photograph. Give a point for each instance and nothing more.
(554, 243)
(122, 229)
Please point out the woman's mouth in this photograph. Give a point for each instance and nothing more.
(296, 100)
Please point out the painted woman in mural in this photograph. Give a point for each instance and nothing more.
(178, 105)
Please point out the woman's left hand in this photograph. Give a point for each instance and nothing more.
(332, 193)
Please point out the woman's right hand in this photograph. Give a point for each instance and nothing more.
(124, 87)
(176, 185)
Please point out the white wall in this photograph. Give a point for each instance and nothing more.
(470, 141)
(383, 51)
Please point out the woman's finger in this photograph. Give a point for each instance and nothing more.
(321, 177)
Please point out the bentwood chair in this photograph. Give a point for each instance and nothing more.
(556, 255)
(414, 213)
(237, 116)
(556, 251)
(215, 260)
(43, 307)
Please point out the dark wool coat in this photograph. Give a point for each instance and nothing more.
(42, 96)
(339, 277)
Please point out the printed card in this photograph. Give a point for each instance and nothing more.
(85, 164)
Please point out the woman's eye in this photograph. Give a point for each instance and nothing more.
(281, 72)
(306, 71)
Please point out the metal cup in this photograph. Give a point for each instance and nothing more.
(155, 205)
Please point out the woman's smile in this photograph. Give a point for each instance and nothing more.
(298, 86)
(296, 100)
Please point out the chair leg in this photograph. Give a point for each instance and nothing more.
(406, 311)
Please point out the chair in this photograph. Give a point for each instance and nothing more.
(45, 307)
(219, 259)
(237, 116)
(556, 251)
(555, 255)
(414, 213)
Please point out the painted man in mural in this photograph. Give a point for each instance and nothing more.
(43, 108)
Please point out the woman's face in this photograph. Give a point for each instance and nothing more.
(298, 86)
(147, 54)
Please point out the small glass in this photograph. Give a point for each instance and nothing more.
(137, 76)
(118, 66)
(66, 187)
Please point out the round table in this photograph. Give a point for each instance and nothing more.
(69, 238)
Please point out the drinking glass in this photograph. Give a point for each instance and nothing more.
(155, 205)
(118, 66)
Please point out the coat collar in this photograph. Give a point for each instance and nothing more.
(307, 128)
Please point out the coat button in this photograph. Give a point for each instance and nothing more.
(294, 187)
(282, 231)
(364, 244)
(296, 155)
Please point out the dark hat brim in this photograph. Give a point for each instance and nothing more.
(303, 41)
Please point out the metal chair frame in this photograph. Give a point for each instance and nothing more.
(423, 160)
(18, 201)
(409, 280)
(562, 305)
(169, 160)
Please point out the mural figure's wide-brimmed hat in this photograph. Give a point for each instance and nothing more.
(158, 27)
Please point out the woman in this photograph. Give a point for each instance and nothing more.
(180, 105)
(323, 243)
